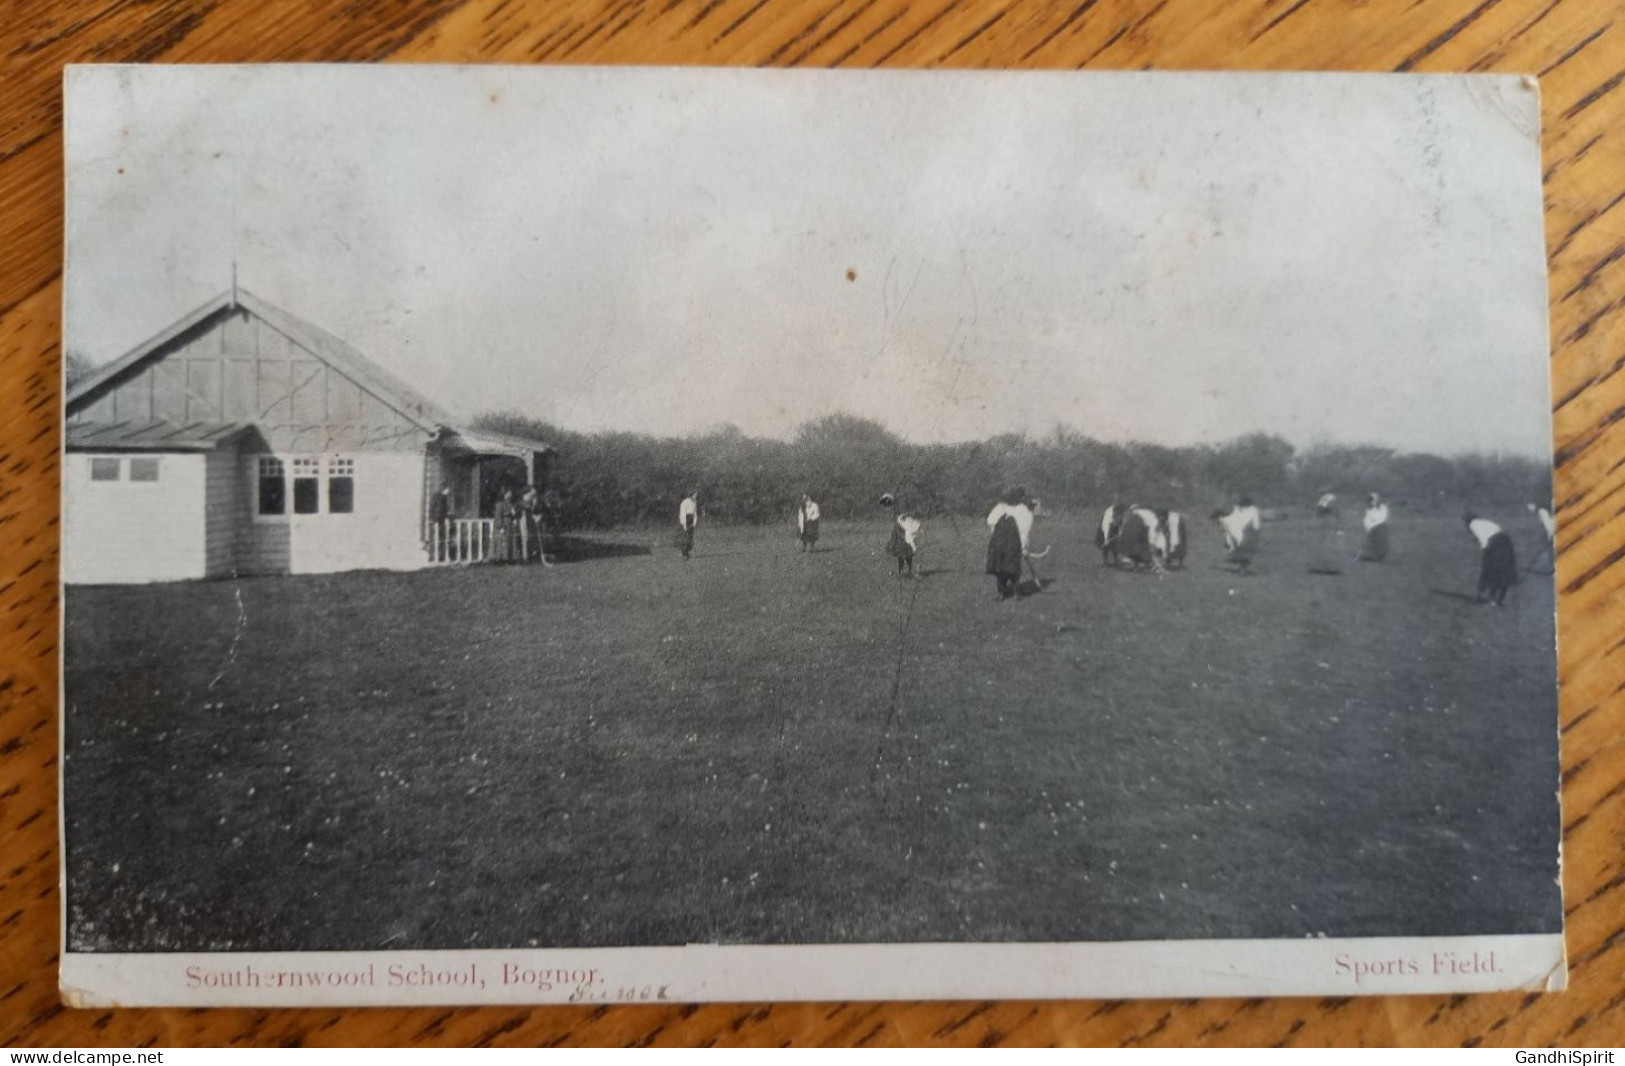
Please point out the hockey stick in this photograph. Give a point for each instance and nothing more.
(1033, 570)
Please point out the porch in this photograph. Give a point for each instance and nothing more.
(466, 476)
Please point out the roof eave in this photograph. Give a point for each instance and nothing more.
(503, 439)
(174, 442)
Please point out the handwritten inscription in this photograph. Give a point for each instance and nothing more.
(607, 993)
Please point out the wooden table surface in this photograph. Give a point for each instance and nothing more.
(1576, 47)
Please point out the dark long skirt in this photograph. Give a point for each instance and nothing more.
(809, 531)
(1242, 552)
(1498, 568)
(899, 546)
(1173, 532)
(1004, 549)
(1134, 542)
(1004, 556)
(504, 540)
(1375, 548)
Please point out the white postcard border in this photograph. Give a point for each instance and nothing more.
(718, 973)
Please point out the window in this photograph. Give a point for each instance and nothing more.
(307, 486)
(273, 489)
(340, 486)
(143, 470)
(306, 475)
(104, 469)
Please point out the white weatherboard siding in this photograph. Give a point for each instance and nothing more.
(225, 513)
(133, 532)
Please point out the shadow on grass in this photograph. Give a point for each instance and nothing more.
(1453, 595)
(581, 549)
(741, 553)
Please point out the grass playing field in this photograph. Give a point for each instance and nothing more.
(757, 745)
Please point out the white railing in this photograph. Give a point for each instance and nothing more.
(461, 540)
(473, 540)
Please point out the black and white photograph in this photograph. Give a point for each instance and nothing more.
(605, 534)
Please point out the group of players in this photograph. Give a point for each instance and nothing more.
(1146, 538)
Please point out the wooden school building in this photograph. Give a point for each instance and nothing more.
(243, 440)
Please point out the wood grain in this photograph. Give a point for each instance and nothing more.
(1576, 47)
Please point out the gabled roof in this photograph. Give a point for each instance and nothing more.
(351, 363)
(151, 436)
(388, 388)
(412, 405)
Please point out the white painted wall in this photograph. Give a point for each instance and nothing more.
(125, 532)
(383, 532)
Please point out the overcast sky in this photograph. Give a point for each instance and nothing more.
(1174, 258)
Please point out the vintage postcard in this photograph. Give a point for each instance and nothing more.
(615, 535)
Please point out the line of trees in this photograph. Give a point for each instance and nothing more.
(846, 462)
